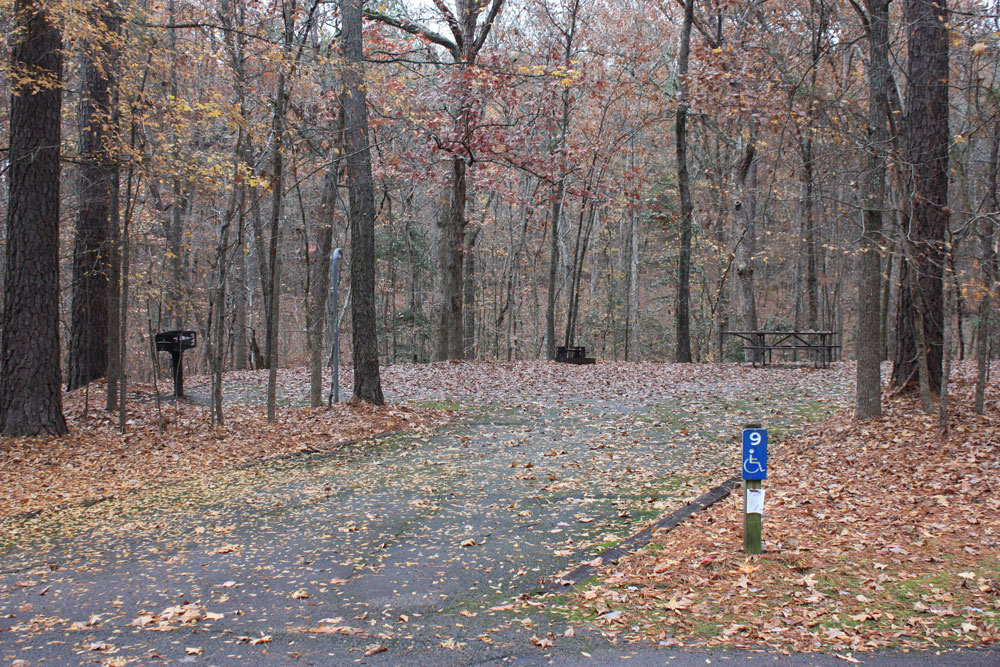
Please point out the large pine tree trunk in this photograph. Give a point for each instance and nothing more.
(927, 169)
(30, 377)
(869, 349)
(367, 383)
(88, 348)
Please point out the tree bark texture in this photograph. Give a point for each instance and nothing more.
(274, 262)
(114, 294)
(809, 170)
(88, 348)
(927, 168)
(30, 375)
(746, 245)
(869, 349)
(173, 221)
(217, 341)
(233, 16)
(553, 285)
(469, 296)
(987, 232)
(584, 227)
(240, 280)
(633, 352)
(809, 232)
(919, 327)
(321, 287)
(451, 257)
(367, 383)
(683, 353)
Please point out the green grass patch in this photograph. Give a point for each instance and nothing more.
(451, 406)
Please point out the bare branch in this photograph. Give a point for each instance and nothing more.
(416, 29)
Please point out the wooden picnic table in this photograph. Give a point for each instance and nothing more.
(819, 345)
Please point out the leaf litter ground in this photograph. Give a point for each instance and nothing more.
(432, 540)
(879, 534)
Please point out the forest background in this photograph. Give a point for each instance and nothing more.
(635, 176)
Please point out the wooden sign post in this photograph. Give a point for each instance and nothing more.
(754, 472)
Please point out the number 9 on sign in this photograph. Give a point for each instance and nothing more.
(754, 454)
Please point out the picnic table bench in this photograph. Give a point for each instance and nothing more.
(573, 355)
(761, 345)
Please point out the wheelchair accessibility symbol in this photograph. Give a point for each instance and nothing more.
(754, 453)
(752, 466)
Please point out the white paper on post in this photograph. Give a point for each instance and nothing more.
(755, 501)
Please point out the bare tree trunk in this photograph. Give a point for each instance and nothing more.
(451, 256)
(88, 349)
(123, 321)
(809, 172)
(683, 323)
(321, 287)
(809, 222)
(240, 289)
(233, 17)
(451, 243)
(720, 236)
(123, 287)
(550, 302)
(923, 366)
(114, 266)
(982, 351)
(746, 247)
(176, 283)
(927, 165)
(277, 186)
(634, 351)
(469, 298)
(367, 383)
(173, 221)
(987, 230)
(869, 351)
(114, 294)
(259, 250)
(947, 353)
(585, 225)
(217, 347)
(886, 296)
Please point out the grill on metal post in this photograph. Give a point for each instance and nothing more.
(175, 342)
